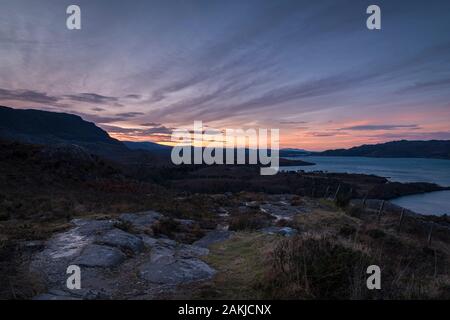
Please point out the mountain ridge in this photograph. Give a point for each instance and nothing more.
(58, 128)
(56, 125)
(435, 149)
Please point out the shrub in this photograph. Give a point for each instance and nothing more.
(376, 233)
(347, 230)
(167, 227)
(251, 221)
(343, 199)
(315, 269)
(354, 211)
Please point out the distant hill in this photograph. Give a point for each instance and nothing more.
(52, 128)
(158, 148)
(45, 125)
(292, 152)
(439, 149)
(145, 145)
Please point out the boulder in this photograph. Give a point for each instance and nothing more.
(100, 256)
(172, 263)
(141, 221)
(177, 272)
(187, 250)
(148, 241)
(121, 239)
(162, 255)
(252, 204)
(93, 227)
(167, 242)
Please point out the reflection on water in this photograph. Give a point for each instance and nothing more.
(437, 203)
(395, 169)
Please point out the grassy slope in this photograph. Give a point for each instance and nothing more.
(328, 261)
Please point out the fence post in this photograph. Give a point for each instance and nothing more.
(430, 235)
(337, 191)
(326, 191)
(401, 219)
(380, 211)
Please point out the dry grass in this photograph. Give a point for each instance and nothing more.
(240, 263)
(328, 260)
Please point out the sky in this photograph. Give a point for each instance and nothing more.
(140, 69)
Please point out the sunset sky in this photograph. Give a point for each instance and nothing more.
(139, 69)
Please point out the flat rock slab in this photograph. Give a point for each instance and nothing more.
(108, 270)
(148, 241)
(213, 237)
(176, 272)
(93, 227)
(162, 255)
(167, 251)
(141, 221)
(64, 248)
(95, 255)
(122, 240)
(80, 294)
(48, 296)
(65, 245)
(186, 250)
(282, 210)
(171, 263)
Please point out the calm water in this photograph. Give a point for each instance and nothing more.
(437, 203)
(397, 169)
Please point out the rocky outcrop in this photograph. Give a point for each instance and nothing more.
(282, 210)
(122, 240)
(99, 256)
(117, 263)
(170, 263)
(141, 221)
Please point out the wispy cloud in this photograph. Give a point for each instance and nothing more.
(161, 130)
(235, 63)
(437, 84)
(45, 98)
(376, 127)
(27, 95)
(133, 96)
(293, 122)
(157, 130)
(91, 98)
(129, 114)
(150, 124)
